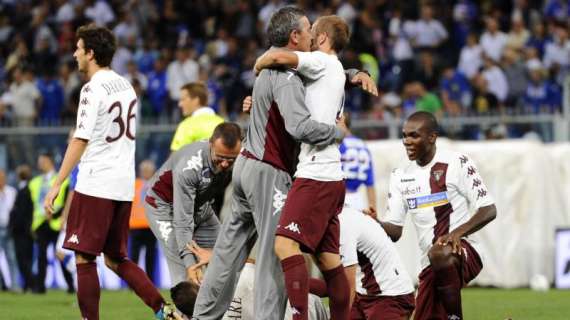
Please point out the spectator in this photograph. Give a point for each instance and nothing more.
(430, 32)
(471, 57)
(52, 98)
(557, 54)
(133, 73)
(21, 226)
(140, 234)
(484, 101)
(181, 71)
(46, 227)
(400, 32)
(69, 81)
(541, 95)
(26, 97)
(493, 41)
(7, 200)
(538, 38)
(495, 76)
(427, 71)
(425, 100)
(157, 87)
(99, 11)
(455, 92)
(519, 35)
(515, 73)
(127, 28)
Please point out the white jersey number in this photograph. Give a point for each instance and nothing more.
(356, 164)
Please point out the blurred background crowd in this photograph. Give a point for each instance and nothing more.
(453, 58)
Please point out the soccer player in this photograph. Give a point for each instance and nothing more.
(309, 221)
(180, 203)
(359, 170)
(261, 179)
(380, 286)
(104, 140)
(241, 307)
(437, 188)
(200, 119)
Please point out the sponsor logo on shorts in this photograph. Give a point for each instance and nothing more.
(453, 317)
(430, 200)
(195, 162)
(293, 227)
(73, 239)
(164, 227)
(278, 200)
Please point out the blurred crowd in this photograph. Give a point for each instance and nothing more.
(452, 58)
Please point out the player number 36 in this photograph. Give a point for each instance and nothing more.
(124, 125)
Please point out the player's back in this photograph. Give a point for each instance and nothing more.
(356, 163)
(324, 99)
(267, 138)
(189, 157)
(106, 118)
(380, 270)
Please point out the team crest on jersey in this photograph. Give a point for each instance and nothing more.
(437, 174)
(412, 203)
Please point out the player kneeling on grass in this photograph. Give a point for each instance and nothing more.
(438, 188)
(181, 203)
(380, 287)
(184, 294)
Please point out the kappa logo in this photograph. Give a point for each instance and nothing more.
(294, 311)
(73, 239)
(293, 227)
(278, 200)
(165, 228)
(195, 162)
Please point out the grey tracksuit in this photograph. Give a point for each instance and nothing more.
(180, 205)
(261, 179)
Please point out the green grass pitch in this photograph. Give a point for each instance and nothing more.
(478, 304)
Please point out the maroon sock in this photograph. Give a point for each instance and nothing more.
(339, 293)
(448, 288)
(296, 282)
(318, 287)
(88, 290)
(141, 284)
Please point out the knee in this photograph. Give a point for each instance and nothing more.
(328, 261)
(112, 263)
(285, 247)
(442, 257)
(81, 258)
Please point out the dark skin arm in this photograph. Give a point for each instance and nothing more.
(480, 219)
(393, 231)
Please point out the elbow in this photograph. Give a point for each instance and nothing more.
(395, 237)
(492, 214)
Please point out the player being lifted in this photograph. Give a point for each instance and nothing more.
(437, 187)
(104, 140)
(309, 221)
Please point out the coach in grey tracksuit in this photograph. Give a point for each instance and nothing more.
(180, 203)
(261, 179)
